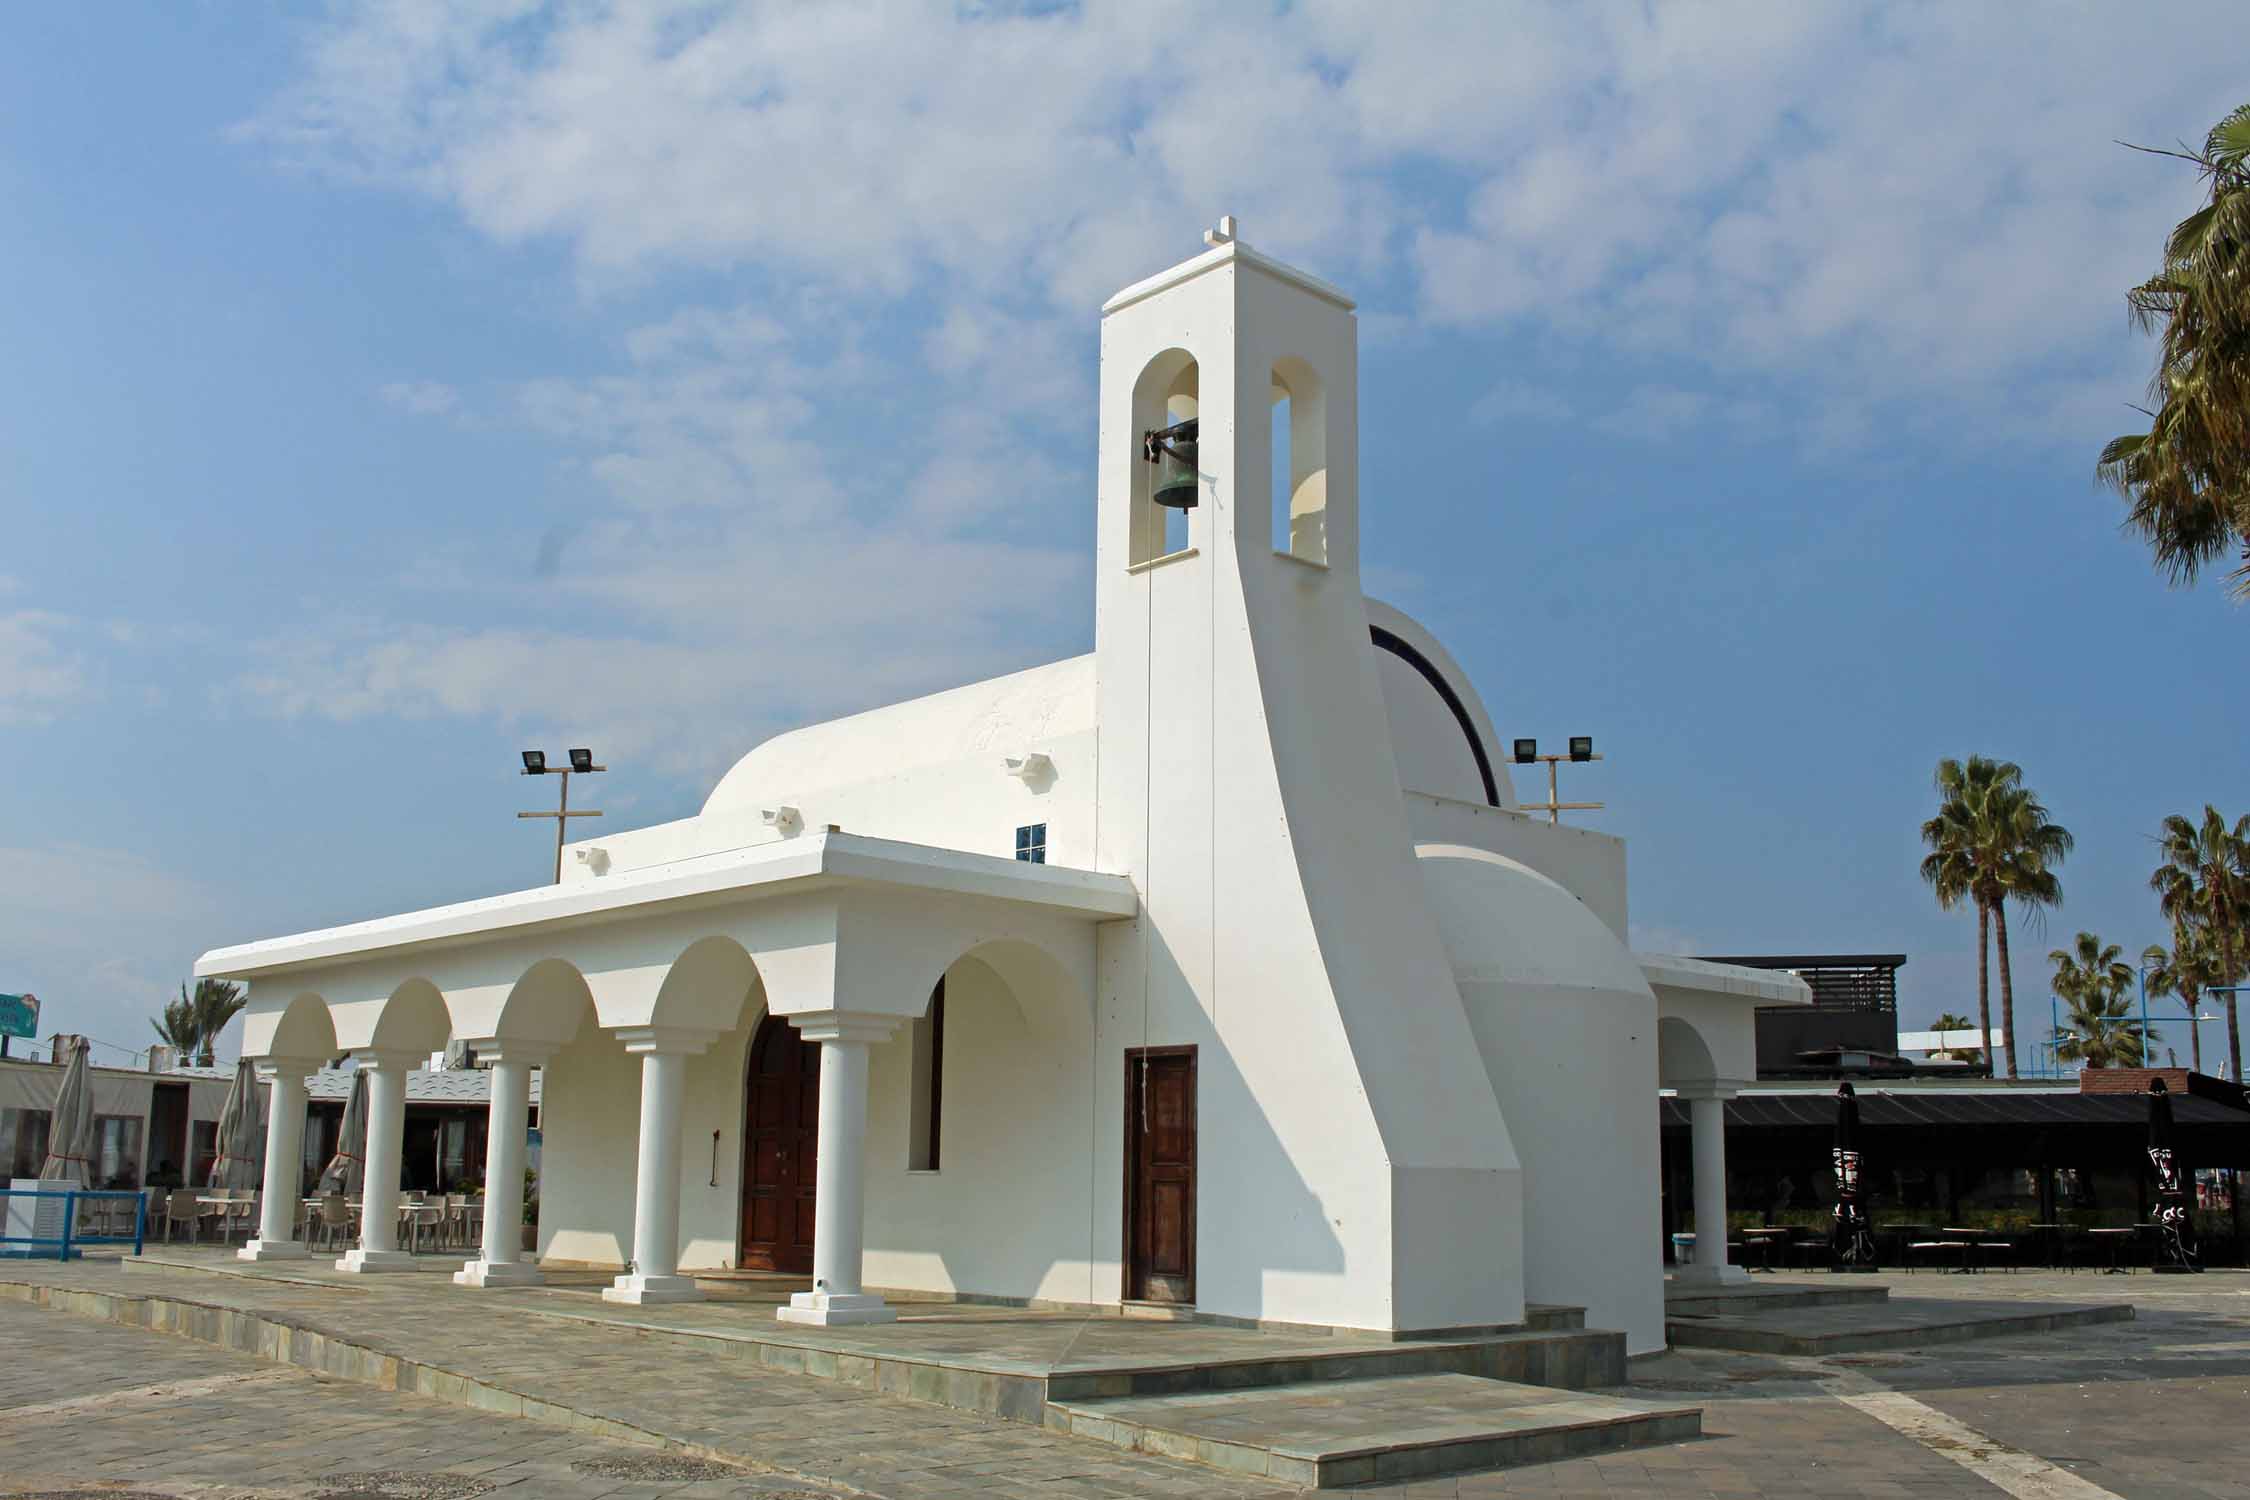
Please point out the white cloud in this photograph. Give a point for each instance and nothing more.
(1864, 210)
(421, 398)
(39, 675)
(102, 936)
(1892, 198)
(1514, 401)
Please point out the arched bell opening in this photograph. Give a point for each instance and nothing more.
(1167, 482)
(1300, 462)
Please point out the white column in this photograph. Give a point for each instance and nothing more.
(285, 1151)
(507, 1124)
(839, 1206)
(386, 1131)
(1707, 1140)
(654, 1274)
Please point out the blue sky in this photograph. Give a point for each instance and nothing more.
(393, 387)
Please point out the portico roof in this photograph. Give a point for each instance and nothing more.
(814, 861)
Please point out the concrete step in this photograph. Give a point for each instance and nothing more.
(1899, 1323)
(1703, 1302)
(1562, 1358)
(1331, 1433)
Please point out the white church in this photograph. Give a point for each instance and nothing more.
(1218, 968)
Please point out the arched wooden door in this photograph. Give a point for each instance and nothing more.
(780, 1134)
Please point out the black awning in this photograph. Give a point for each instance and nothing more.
(1879, 1108)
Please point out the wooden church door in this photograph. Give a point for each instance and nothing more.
(780, 1135)
(1160, 1174)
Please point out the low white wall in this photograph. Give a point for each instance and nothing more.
(1589, 865)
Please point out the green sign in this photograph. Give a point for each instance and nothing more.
(19, 1015)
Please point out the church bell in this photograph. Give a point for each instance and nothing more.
(1172, 450)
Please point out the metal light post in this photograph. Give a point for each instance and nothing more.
(1581, 750)
(535, 764)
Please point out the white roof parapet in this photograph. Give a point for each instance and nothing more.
(1224, 253)
(762, 869)
(1761, 986)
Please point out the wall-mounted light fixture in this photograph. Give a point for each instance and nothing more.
(783, 819)
(1031, 766)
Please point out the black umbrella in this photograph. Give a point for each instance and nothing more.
(2175, 1216)
(1852, 1240)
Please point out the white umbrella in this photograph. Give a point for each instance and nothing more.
(346, 1172)
(242, 1134)
(70, 1131)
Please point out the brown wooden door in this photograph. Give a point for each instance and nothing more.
(1160, 1174)
(780, 1134)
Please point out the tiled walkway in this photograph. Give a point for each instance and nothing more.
(2150, 1408)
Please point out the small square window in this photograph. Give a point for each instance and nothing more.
(1031, 843)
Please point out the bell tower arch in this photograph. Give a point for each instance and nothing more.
(1246, 781)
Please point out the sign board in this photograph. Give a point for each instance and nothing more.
(19, 1015)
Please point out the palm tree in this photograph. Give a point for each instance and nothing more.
(1992, 842)
(2187, 479)
(2094, 979)
(2204, 883)
(1948, 1021)
(176, 1028)
(2186, 971)
(215, 1002)
(2101, 1032)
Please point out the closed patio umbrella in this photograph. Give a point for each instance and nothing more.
(241, 1162)
(2175, 1216)
(346, 1172)
(1852, 1240)
(70, 1131)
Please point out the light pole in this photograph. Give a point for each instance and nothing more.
(1581, 749)
(535, 764)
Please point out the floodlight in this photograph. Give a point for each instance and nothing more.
(583, 760)
(534, 762)
(1527, 751)
(1581, 747)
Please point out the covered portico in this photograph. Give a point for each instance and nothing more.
(843, 937)
(1706, 1052)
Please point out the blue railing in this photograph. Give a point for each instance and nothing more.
(67, 1232)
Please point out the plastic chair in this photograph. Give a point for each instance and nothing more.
(180, 1207)
(336, 1219)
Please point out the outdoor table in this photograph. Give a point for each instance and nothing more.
(226, 1207)
(1968, 1242)
(2116, 1239)
(2052, 1234)
(1766, 1239)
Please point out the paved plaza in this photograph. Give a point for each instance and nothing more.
(2151, 1407)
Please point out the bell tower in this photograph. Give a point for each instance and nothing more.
(1247, 783)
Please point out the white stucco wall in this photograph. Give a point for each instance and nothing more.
(1007, 1212)
(1567, 1028)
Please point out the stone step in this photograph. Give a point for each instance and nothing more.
(1563, 1358)
(1331, 1433)
(1899, 1323)
(1703, 1302)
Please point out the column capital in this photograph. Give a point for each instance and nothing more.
(299, 1068)
(493, 1049)
(844, 1025)
(389, 1059)
(684, 1041)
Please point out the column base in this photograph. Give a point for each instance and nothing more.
(262, 1249)
(641, 1290)
(375, 1260)
(499, 1273)
(1727, 1275)
(831, 1309)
